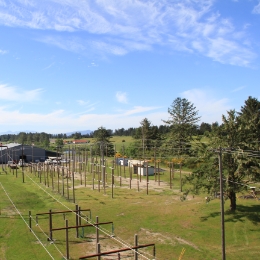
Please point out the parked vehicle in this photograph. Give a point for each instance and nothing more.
(21, 162)
(48, 161)
(9, 163)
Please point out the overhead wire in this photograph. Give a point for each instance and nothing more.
(26, 222)
(95, 226)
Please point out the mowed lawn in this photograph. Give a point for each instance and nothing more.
(174, 226)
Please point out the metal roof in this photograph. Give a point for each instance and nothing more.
(11, 145)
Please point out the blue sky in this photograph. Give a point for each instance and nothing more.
(71, 65)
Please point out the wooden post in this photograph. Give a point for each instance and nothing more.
(68, 194)
(112, 185)
(52, 173)
(58, 173)
(170, 164)
(48, 176)
(79, 216)
(147, 179)
(30, 221)
(67, 239)
(159, 178)
(180, 178)
(77, 221)
(50, 225)
(63, 180)
(73, 187)
(98, 251)
(97, 231)
(136, 250)
(130, 171)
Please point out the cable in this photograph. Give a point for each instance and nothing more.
(117, 240)
(48, 237)
(26, 222)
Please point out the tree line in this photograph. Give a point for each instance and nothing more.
(42, 138)
(235, 140)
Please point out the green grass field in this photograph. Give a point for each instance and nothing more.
(159, 217)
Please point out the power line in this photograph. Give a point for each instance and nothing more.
(26, 222)
(117, 240)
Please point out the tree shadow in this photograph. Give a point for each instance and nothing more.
(251, 213)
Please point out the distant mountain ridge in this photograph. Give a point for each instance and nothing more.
(84, 132)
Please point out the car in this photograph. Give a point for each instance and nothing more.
(64, 161)
(9, 163)
(48, 161)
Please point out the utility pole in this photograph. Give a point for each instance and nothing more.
(222, 205)
(22, 163)
(103, 170)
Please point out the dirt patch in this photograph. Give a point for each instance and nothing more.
(166, 239)
(9, 211)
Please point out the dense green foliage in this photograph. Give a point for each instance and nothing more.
(236, 140)
(182, 141)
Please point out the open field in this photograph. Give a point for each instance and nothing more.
(159, 217)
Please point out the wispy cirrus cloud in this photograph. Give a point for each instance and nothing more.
(2, 52)
(118, 27)
(82, 102)
(256, 9)
(57, 120)
(121, 97)
(237, 89)
(49, 66)
(209, 107)
(139, 109)
(10, 93)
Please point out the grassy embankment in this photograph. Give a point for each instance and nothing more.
(159, 218)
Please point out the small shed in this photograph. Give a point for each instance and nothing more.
(143, 170)
(131, 163)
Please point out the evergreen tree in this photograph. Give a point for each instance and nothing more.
(182, 122)
(102, 142)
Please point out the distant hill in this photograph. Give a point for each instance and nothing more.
(84, 132)
(15, 132)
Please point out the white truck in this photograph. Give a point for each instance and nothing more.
(48, 161)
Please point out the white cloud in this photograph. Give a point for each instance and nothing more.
(139, 109)
(256, 9)
(2, 52)
(49, 66)
(237, 89)
(10, 93)
(121, 97)
(82, 102)
(209, 107)
(61, 121)
(118, 27)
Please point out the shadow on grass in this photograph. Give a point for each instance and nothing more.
(242, 213)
